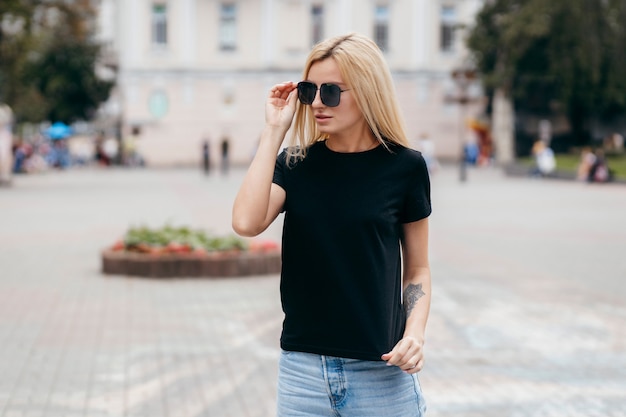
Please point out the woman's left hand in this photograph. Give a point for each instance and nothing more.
(408, 355)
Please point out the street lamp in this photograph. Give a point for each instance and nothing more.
(463, 79)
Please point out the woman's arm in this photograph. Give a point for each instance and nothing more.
(408, 353)
(259, 201)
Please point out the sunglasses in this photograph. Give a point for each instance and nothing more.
(329, 93)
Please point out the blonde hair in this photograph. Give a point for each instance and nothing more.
(364, 70)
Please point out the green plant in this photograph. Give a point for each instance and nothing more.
(180, 239)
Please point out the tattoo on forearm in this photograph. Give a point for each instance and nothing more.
(412, 293)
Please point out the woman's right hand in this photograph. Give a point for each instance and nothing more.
(281, 105)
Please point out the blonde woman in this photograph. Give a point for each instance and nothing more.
(355, 199)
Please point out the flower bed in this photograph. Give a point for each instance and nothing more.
(183, 252)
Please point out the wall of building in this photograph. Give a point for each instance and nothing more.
(189, 89)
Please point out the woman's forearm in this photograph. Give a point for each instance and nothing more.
(416, 299)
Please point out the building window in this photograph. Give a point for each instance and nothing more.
(158, 104)
(228, 27)
(448, 26)
(381, 27)
(159, 24)
(317, 18)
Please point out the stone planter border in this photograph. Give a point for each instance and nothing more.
(216, 264)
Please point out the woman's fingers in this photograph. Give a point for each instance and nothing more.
(281, 104)
(407, 355)
(282, 90)
(419, 364)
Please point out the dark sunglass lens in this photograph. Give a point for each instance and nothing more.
(330, 94)
(306, 92)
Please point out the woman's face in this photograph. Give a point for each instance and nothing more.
(344, 120)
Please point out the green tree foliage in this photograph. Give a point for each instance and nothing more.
(566, 56)
(47, 60)
(16, 18)
(64, 74)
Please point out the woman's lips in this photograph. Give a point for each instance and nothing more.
(321, 117)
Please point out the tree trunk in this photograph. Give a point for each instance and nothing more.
(503, 127)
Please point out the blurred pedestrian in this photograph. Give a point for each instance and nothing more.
(545, 162)
(130, 154)
(587, 159)
(355, 197)
(427, 147)
(600, 171)
(111, 149)
(100, 155)
(206, 156)
(59, 155)
(225, 155)
(471, 151)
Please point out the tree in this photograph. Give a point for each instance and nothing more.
(65, 75)
(558, 56)
(48, 58)
(15, 37)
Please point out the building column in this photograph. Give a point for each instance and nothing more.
(267, 40)
(344, 16)
(129, 13)
(187, 24)
(420, 34)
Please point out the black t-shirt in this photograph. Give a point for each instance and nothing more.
(341, 271)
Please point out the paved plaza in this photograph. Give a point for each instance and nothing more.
(528, 314)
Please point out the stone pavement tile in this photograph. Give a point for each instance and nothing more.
(512, 353)
(183, 365)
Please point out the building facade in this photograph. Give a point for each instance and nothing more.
(195, 70)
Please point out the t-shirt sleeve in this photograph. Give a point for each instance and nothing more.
(279, 169)
(417, 201)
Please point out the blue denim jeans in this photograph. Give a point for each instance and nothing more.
(317, 385)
